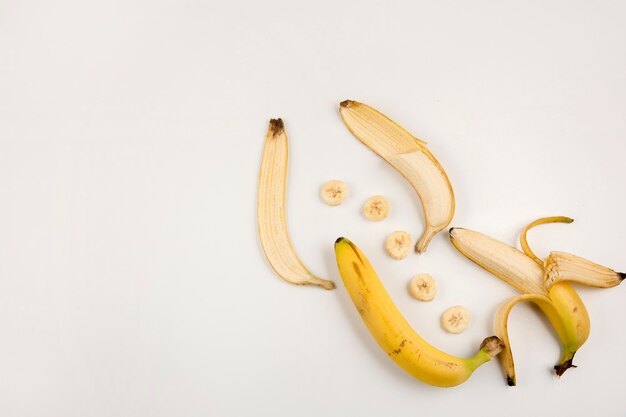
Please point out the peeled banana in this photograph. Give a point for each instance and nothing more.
(409, 156)
(392, 332)
(271, 218)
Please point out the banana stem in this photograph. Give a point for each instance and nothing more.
(565, 363)
(425, 239)
(490, 347)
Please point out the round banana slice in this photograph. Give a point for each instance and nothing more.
(398, 245)
(455, 319)
(423, 287)
(376, 208)
(334, 192)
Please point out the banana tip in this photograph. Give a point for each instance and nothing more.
(562, 367)
(622, 276)
(346, 103)
(510, 381)
(492, 345)
(328, 285)
(339, 240)
(276, 126)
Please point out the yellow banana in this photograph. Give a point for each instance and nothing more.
(392, 332)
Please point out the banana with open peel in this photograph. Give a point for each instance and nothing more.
(561, 305)
(409, 156)
(544, 283)
(392, 332)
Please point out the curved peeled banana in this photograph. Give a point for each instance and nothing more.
(392, 332)
(409, 156)
(271, 212)
(561, 304)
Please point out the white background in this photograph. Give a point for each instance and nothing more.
(131, 278)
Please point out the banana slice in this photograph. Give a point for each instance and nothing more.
(423, 287)
(376, 208)
(398, 245)
(562, 266)
(410, 157)
(271, 219)
(456, 319)
(334, 192)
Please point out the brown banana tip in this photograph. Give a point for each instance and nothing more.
(330, 286)
(622, 276)
(346, 103)
(510, 381)
(492, 345)
(561, 368)
(339, 240)
(276, 126)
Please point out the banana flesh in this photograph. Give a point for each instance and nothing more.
(410, 157)
(392, 332)
(271, 218)
(562, 266)
(502, 260)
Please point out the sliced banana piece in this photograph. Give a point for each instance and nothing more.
(562, 266)
(271, 219)
(398, 245)
(423, 287)
(456, 319)
(376, 208)
(410, 157)
(334, 192)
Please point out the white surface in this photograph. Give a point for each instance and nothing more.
(131, 279)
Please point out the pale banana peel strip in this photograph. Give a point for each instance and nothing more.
(378, 132)
(409, 156)
(271, 218)
(562, 266)
(502, 331)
